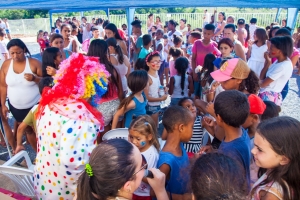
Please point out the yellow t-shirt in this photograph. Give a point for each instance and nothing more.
(30, 119)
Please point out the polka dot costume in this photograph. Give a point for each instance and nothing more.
(65, 142)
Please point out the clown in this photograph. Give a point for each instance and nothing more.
(68, 125)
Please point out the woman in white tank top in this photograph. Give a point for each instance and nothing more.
(119, 61)
(69, 42)
(18, 80)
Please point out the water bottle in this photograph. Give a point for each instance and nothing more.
(161, 91)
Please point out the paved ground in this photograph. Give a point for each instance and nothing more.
(291, 105)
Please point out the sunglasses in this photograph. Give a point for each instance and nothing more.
(156, 62)
(144, 165)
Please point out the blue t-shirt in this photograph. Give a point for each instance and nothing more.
(239, 149)
(144, 52)
(217, 62)
(140, 109)
(179, 176)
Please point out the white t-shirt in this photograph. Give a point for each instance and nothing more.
(207, 18)
(161, 53)
(2, 25)
(151, 155)
(170, 37)
(280, 73)
(252, 28)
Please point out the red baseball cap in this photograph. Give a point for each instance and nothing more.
(257, 106)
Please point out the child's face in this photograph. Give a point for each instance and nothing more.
(46, 34)
(158, 35)
(58, 59)
(186, 130)
(189, 104)
(274, 52)
(251, 121)
(66, 32)
(154, 64)
(208, 34)
(139, 140)
(166, 42)
(231, 84)
(58, 43)
(225, 50)
(264, 155)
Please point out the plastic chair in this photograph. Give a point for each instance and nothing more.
(121, 133)
(22, 178)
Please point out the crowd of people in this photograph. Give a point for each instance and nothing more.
(227, 79)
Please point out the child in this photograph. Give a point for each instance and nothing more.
(41, 40)
(195, 35)
(177, 40)
(271, 111)
(143, 134)
(173, 159)
(135, 104)
(46, 38)
(217, 176)
(232, 109)
(174, 53)
(194, 145)
(52, 58)
(57, 40)
(277, 152)
(225, 46)
(252, 28)
(30, 120)
(181, 85)
(146, 46)
(167, 58)
(274, 77)
(158, 45)
(153, 106)
(200, 49)
(205, 77)
(257, 50)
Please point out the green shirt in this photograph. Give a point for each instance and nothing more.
(144, 52)
(30, 119)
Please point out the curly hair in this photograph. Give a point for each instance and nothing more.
(251, 83)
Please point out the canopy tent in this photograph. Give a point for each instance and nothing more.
(87, 4)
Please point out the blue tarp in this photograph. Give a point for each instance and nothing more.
(84, 4)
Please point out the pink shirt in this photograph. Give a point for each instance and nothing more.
(173, 71)
(201, 50)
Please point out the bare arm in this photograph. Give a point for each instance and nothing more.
(239, 51)
(267, 64)
(295, 60)
(120, 113)
(75, 47)
(221, 29)
(127, 63)
(241, 37)
(194, 56)
(3, 86)
(266, 82)
(124, 48)
(191, 85)
(152, 99)
(171, 87)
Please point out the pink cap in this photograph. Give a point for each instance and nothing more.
(233, 68)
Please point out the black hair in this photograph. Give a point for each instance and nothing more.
(219, 177)
(64, 25)
(124, 25)
(268, 27)
(261, 34)
(271, 111)
(276, 27)
(173, 22)
(175, 115)
(146, 39)
(2, 33)
(99, 21)
(248, 32)
(181, 65)
(251, 83)
(182, 100)
(136, 81)
(19, 43)
(140, 64)
(209, 27)
(283, 32)
(45, 82)
(282, 133)
(105, 23)
(113, 42)
(99, 48)
(137, 23)
(284, 44)
(114, 29)
(208, 67)
(233, 107)
(184, 20)
(84, 18)
(175, 52)
(113, 164)
(55, 36)
(151, 55)
(253, 21)
(224, 16)
(49, 56)
(230, 26)
(150, 15)
(196, 34)
(177, 40)
(94, 28)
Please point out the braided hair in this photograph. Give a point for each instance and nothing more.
(181, 65)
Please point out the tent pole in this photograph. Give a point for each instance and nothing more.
(50, 15)
(130, 16)
(292, 14)
(277, 14)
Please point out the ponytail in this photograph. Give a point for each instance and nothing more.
(251, 83)
(120, 54)
(85, 187)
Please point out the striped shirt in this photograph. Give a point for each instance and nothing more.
(195, 142)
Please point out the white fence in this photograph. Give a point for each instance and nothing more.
(31, 26)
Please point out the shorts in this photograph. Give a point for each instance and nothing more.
(18, 114)
(151, 110)
(108, 109)
(271, 96)
(7, 31)
(174, 101)
(285, 90)
(163, 65)
(197, 88)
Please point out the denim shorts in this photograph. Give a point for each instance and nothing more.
(151, 110)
